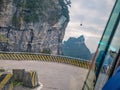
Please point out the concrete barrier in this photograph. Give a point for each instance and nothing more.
(18, 74)
(5, 81)
(30, 79)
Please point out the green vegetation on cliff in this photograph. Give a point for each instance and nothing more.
(3, 39)
(38, 10)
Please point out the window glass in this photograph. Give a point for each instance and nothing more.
(109, 60)
(107, 47)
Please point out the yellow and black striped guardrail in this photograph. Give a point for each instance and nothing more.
(4, 79)
(45, 57)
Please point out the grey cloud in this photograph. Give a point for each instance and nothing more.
(93, 14)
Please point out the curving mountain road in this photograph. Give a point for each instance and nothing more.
(53, 76)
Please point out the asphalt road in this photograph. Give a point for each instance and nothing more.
(53, 76)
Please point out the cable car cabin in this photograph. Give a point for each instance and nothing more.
(107, 57)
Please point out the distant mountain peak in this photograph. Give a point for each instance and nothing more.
(81, 38)
(76, 47)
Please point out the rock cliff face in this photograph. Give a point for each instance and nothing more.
(33, 25)
(6, 9)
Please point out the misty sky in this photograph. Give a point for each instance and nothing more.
(93, 15)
